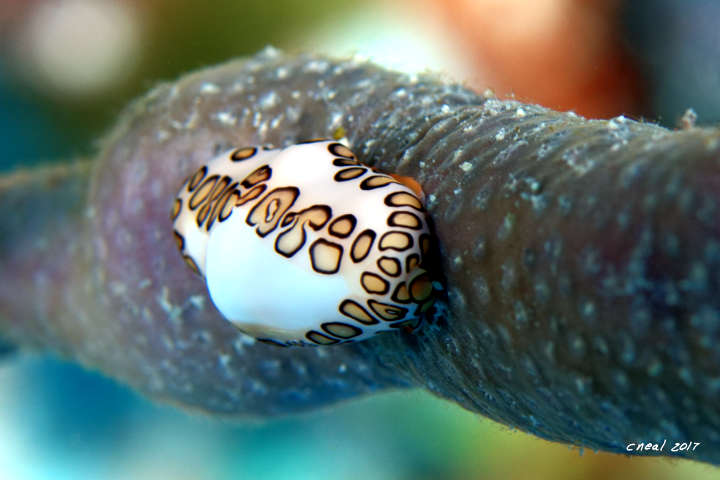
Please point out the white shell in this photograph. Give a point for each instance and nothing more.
(304, 245)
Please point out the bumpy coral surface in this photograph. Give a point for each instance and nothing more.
(580, 257)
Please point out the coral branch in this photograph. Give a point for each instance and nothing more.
(580, 256)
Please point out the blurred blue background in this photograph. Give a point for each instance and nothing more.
(67, 67)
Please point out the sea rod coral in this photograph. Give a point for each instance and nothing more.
(580, 257)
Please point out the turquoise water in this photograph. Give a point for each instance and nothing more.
(59, 421)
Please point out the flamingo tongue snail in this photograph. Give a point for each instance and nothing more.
(305, 245)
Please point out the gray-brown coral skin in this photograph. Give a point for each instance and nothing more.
(581, 257)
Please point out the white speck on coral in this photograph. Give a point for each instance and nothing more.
(262, 129)
(292, 113)
(275, 121)
(364, 83)
(197, 301)
(172, 93)
(688, 119)
(335, 119)
(268, 100)
(538, 202)
(224, 359)
(445, 109)
(520, 112)
(456, 155)
(238, 86)
(269, 52)
(243, 341)
(533, 184)
(117, 288)
(359, 58)
(191, 120)
(316, 66)
(281, 72)
(457, 261)
(466, 166)
(226, 118)
(162, 135)
(173, 311)
(208, 88)
(257, 118)
(500, 135)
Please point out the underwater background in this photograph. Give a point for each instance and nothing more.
(68, 67)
